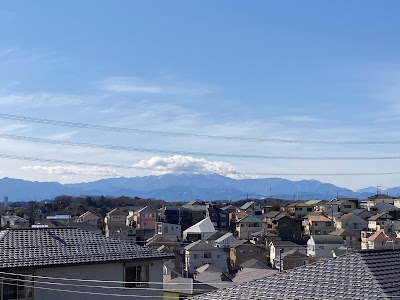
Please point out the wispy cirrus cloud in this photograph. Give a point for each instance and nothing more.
(186, 164)
(142, 86)
(73, 170)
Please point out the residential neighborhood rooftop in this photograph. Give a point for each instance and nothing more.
(24, 248)
(373, 274)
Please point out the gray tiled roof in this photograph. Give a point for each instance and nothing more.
(359, 275)
(24, 248)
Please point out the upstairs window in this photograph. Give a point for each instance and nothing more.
(136, 276)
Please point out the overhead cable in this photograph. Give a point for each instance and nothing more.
(187, 135)
(101, 165)
(194, 153)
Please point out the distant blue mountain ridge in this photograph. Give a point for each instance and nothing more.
(184, 187)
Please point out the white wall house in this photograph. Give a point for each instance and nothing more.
(225, 241)
(199, 253)
(278, 247)
(169, 231)
(199, 231)
(77, 254)
(322, 245)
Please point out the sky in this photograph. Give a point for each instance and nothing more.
(286, 70)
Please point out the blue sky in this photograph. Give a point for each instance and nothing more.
(284, 69)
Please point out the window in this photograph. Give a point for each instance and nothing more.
(166, 229)
(207, 254)
(241, 225)
(328, 223)
(256, 225)
(309, 208)
(195, 255)
(218, 256)
(258, 213)
(136, 276)
(17, 287)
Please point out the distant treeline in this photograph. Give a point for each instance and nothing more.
(102, 204)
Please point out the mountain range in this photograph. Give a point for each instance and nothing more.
(184, 187)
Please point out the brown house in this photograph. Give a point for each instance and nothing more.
(245, 250)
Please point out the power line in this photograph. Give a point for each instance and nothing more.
(80, 292)
(100, 165)
(96, 280)
(194, 153)
(186, 135)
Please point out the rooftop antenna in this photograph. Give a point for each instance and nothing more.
(390, 232)
(378, 189)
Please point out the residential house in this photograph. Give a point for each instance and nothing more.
(284, 226)
(214, 278)
(378, 221)
(169, 231)
(116, 216)
(56, 254)
(198, 210)
(351, 222)
(120, 231)
(379, 240)
(218, 217)
(253, 209)
(362, 213)
(270, 217)
(317, 223)
(244, 250)
(345, 205)
(351, 240)
(199, 231)
(253, 264)
(89, 217)
(251, 274)
(13, 222)
(225, 241)
(176, 215)
(396, 202)
(293, 259)
(248, 225)
(345, 277)
(200, 253)
(384, 208)
(276, 248)
(144, 218)
(298, 210)
(379, 198)
(321, 246)
(315, 203)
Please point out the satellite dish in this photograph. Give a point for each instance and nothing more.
(389, 230)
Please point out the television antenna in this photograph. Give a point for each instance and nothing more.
(390, 232)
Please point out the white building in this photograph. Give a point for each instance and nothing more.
(199, 231)
(169, 231)
(322, 245)
(200, 253)
(225, 241)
